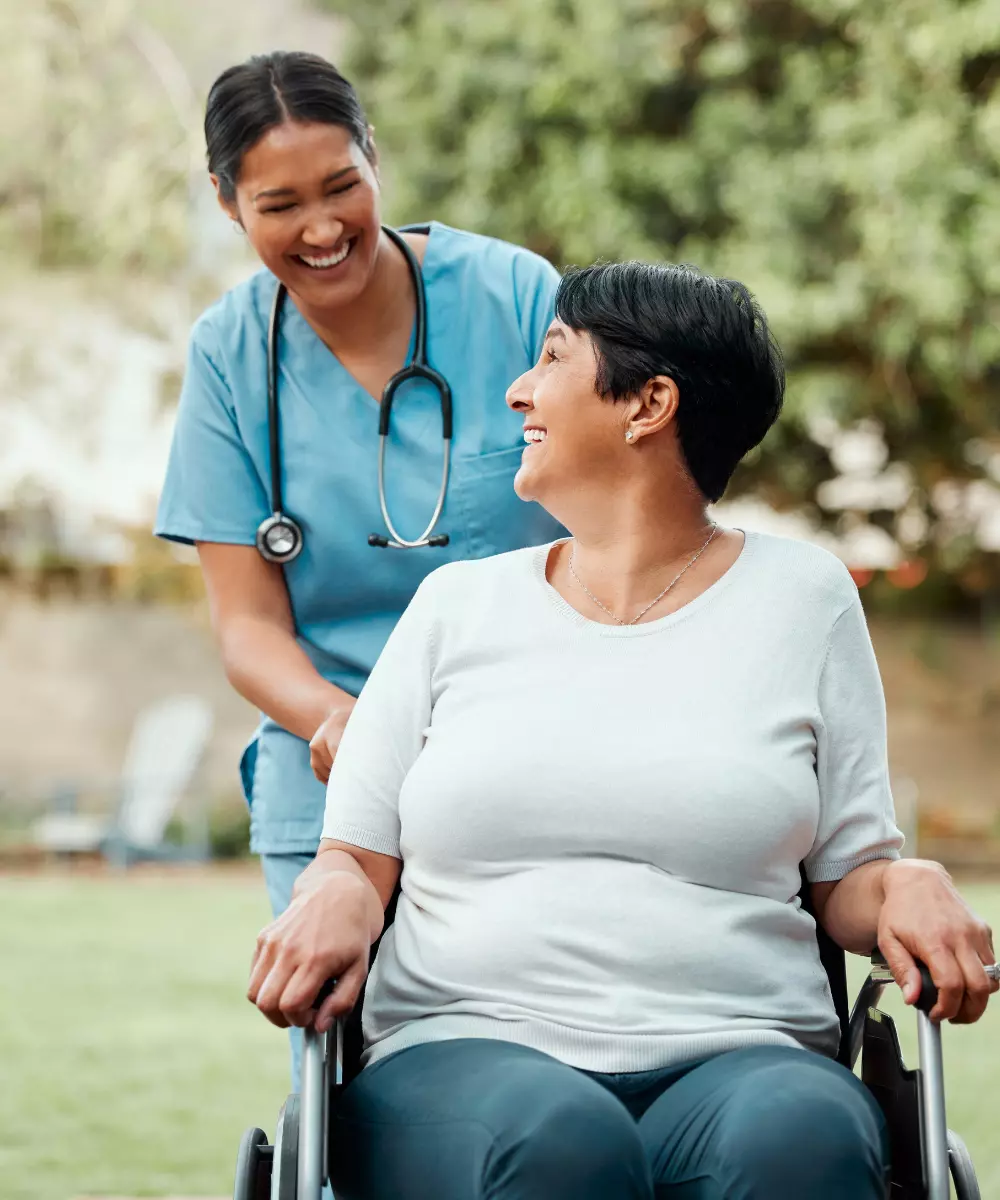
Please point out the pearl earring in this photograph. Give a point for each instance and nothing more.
(628, 436)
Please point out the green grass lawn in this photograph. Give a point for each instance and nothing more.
(130, 1062)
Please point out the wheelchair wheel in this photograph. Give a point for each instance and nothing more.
(962, 1170)
(286, 1151)
(253, 1167)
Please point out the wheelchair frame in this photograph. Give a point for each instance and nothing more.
(925, 1154)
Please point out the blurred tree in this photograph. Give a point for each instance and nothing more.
(97, 146)
(839, 156)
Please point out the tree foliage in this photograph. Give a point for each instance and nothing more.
(839, 156)
(97, 143)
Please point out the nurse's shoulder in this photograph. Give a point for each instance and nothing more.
(213, 490)
(232, 332)
(492, 255)
(517, 280)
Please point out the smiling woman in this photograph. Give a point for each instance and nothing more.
(294, 164)
(594, 774)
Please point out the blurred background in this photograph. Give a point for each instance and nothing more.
(841, 157)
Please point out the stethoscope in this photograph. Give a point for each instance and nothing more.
(280, 537)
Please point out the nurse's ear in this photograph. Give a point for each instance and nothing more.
(229, 207)
(373, 156)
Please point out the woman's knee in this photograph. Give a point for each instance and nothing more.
(579, 1143)
(805, 1125)
(473, 1118)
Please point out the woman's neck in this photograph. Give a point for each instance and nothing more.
(627, 552)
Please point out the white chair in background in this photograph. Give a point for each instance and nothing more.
(167, 744)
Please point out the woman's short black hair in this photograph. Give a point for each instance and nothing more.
(267, 90)
(709, 335)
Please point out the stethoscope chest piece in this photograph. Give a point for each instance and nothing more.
(279, 538)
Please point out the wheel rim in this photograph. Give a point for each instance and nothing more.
(253, 1176)
(285, 1172)
(962, 1170)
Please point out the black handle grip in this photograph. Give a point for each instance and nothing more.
(324, 993)
(928, 988)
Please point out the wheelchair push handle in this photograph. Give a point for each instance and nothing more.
(324, 994)
(322, 1065)
(933, 1121)
(928, 996)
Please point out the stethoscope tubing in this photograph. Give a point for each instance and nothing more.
(417, 368)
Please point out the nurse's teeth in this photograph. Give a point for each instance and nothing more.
(330, 261)
(534, 435)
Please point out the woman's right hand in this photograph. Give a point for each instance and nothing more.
(324, 932)
(325, 741)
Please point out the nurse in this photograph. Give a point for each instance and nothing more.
(292, 159)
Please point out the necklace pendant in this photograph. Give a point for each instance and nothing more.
(676, 579)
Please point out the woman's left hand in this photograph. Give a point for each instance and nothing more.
(923, 916)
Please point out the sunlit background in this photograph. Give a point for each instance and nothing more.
(841, 157)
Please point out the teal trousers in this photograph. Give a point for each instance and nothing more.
(476, 1119)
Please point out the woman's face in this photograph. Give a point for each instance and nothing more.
(309, 202)
(574, 436)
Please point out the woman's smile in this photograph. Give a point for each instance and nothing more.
(534, 435)
(328, 261)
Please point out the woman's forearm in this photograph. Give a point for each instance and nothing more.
(850, 909)
(336, 868)
(268, 667)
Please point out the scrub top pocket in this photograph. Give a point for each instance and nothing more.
(493, 517)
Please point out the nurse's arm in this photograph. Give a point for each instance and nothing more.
(252, 619)
(336, 915)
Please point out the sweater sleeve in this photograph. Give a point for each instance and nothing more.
(385, 734)
(856, 821)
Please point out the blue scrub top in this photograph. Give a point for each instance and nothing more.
(488, 306)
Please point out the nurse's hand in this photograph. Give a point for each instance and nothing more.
(326, 740)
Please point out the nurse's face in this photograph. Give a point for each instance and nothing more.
(575, 437)
(308, 199)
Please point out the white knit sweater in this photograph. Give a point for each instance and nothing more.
(601, 827)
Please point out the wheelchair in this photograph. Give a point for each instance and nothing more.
(925, 1154)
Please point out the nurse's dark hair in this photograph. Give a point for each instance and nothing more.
(709, 335)
(267, 90)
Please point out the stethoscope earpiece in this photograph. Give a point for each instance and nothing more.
(279, 538)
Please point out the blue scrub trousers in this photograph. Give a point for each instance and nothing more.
(476, 1119)
(280, 874)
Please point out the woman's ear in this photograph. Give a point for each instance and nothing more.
(228, 206)
(653, 409)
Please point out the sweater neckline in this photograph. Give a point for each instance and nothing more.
(539, 562)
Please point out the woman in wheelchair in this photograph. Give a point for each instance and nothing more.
(594, 770)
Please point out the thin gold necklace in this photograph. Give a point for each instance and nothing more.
(652, 603)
